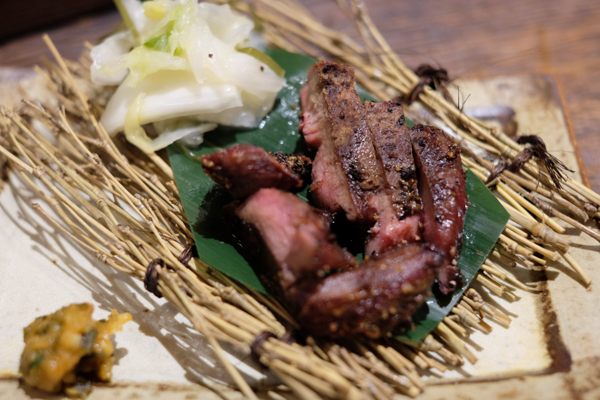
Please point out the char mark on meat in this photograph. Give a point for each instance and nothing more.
(244, 169)
(398, 205)
(299, 165)
(346, 171)
(374, 298)
(393, 146)
(296, 241)
(443, 194)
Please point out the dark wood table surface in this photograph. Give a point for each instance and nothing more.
(474, 38)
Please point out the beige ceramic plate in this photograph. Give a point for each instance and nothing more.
(551, 351)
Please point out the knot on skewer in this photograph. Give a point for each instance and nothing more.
(96, 160)
(555, 168)
(257, 346)
(38, 172)
(288, 337)
(186, 255)
(101, 256)
(151, 277)
(432, 77)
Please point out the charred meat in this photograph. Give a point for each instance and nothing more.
(399, 203)
(403, 166)
(404, 188)
(367, 300)
(393, 146)
(296, 241)
(443, 194)
(346, 171)
(244, 169)
(373, 299)
(390, 231)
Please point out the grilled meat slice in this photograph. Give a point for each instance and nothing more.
(299, 245)
(399, 203)
(299, 165)
(346, 171)
(443, 194)
(364, 165)
(389, 231)
(374, 298)
(393, 146)
(295, 242)
(407, 185)
(244, 169)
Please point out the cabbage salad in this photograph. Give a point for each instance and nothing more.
(184, 67)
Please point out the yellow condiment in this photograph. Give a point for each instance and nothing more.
(56, 344)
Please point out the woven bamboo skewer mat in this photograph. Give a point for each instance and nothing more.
(549, 350)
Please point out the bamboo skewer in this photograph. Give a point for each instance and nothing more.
(539, 230)
(455, 343)
(548, 209)
(432, 345)
(403, 78)
(462, 331)
(543, 251)
(513, 230)
(584, 276)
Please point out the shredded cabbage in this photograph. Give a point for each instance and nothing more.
(108, 59)
(132, 13)
(181, 59)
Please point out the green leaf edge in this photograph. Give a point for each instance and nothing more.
(481, 231)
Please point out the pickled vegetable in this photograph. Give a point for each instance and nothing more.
(186, 62)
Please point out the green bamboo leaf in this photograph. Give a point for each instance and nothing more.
(484, 222)
(203, 200)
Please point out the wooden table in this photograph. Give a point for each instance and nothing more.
(468, 38)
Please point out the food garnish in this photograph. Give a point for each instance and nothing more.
(68, 349)
(186, 67)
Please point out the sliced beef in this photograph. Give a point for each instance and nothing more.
(399, 203)
(298, 244)
(374, 298)
(299, 250)
(394, 148)
(346, 171)
(389, 232)
(244, 169)
(405, 185)
(443, 194)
